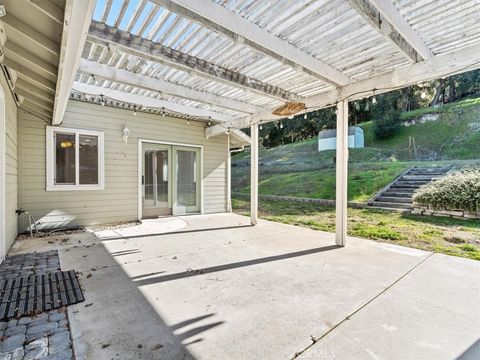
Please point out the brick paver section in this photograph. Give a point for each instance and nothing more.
(45, 336)
(29, 264)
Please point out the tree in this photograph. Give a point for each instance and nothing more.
(385, 113)
(386, 116)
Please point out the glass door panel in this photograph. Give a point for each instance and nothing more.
(162, 171)
(187, 180)
(156, 180)
(148, 178)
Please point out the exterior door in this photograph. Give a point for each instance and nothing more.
(186, 192)
(156, 180)
(171, 179)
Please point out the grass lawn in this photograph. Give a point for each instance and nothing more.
(298, 169)
(364, 180)
(457, 237)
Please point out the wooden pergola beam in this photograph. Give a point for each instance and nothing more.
(121, 76)
(385, 18)
(438, 66)
(149, 102)
(389, 12)
(147, 49)
(221, 20)
(78, 14)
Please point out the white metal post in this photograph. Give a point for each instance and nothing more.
(254, 175)
(229, 175)
(341, 173)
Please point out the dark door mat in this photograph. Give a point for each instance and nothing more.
(32, 294)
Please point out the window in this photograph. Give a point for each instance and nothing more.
(74, 159)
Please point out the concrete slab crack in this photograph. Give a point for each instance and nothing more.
(317, 339)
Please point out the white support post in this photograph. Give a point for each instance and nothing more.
(341, 173)
(254, 175)
(229, 175)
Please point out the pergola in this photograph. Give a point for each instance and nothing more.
(238, 63)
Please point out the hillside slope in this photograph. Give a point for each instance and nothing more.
(455, 135)
(298, 169)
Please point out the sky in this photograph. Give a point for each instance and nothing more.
(132, 9)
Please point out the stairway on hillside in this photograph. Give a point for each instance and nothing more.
(398, 195)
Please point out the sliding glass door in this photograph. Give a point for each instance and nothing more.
(170, 180)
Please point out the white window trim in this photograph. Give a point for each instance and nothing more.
(51, 186)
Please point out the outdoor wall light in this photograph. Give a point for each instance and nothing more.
(126, 133)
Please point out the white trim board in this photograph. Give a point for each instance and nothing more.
(3, 175)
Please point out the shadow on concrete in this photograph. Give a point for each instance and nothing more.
(138, 277)
(190, 321)
(174, 232)
(194, 272)
(122, 317)
(198, 330)
(195, 331)
(125, 252)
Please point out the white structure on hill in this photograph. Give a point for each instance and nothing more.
(327, 139)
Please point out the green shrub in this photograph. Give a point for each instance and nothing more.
(456, 191)
(386, 124)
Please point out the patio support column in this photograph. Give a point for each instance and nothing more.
(341, 173)
(254, 175)
(229, 175)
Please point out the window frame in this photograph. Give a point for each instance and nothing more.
(51, 159)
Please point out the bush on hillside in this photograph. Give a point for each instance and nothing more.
(386, 121)
(456, 191)
(386, 127)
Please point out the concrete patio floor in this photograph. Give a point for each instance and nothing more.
(212, 287)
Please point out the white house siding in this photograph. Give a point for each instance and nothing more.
(10, 165)
(118, 202)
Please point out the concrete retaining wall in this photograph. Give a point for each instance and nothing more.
(352, 204)
(451, 213)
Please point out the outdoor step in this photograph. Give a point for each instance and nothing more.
(391, 205)
(418, 177)
(397, 194)
(412, 182)
(410, 191)
(395, 199)
(409, 187)
(394, 209)
(426, 173)
(438, 168)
